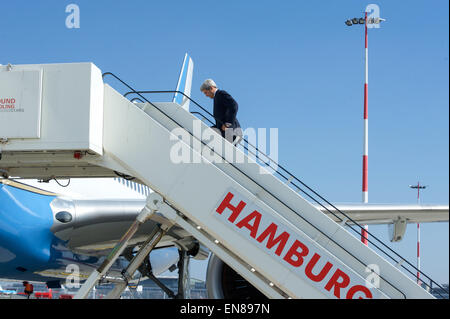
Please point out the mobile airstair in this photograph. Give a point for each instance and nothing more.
(64, 121)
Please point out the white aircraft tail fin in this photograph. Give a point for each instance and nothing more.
(184, 83)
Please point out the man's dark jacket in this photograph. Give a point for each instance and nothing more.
(225, 110)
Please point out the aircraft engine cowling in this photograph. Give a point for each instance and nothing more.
(222, 282)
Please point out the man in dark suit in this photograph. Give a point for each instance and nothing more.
(225, 110)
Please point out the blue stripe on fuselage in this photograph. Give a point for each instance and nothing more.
(25, 237)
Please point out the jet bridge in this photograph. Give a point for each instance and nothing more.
(62, 120)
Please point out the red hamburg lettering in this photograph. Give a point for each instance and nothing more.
(293, 251)
(323, 272)
(351, 292)
(272, 241)
(253, 228)
(226, 204)
(338, 285)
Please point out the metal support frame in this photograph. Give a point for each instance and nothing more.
(153, 203)
(162, 286)
(146, 271)
(183, 278)
(138, 259)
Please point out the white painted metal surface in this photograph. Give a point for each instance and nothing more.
(195, 189)
(20, 103)
(71, 103)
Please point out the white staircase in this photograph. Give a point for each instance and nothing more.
(250, 219)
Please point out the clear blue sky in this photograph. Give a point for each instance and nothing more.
(293, 65)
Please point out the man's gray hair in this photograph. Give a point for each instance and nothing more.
(209, 83)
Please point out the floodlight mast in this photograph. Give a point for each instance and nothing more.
(365, 166)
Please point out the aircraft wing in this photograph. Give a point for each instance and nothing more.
(367, 214)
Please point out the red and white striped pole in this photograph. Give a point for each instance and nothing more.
(365, 184)
(418, 239)
(418, 254)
